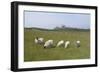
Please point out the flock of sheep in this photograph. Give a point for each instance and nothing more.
(50, 43)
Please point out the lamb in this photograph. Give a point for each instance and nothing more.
(78, 44)
(39, 40)
(48, 44)
(67, 44)
(60, 43)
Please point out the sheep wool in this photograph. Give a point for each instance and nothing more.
(39, 40)
(48, 43)
(77, 44)
(60, 43)
(67, 44)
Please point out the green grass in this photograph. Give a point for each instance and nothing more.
(36, 52)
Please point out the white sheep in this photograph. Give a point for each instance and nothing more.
(67, 44)
(39, 40)
(60, 43)
(77, 43)
(48, 44)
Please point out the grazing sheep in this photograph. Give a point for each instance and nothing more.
(67, 44)
(60, 43)
(39, 40)
(78, 44)
(36, 40)
(48, 44)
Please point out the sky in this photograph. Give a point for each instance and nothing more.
(50, 20)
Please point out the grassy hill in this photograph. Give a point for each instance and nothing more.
(36, 52)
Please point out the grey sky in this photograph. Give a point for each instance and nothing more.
(50, 20)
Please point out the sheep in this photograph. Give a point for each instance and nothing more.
(67, 44)
(60, 43)
(36, 40)
(78, 44)
(39, 40)
(48, 44)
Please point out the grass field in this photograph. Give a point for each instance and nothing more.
(36, 52)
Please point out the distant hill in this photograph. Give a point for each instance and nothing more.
(59, 29)
(72, 29)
